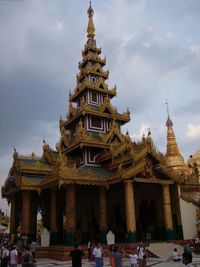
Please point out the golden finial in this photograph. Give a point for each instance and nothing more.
(169, 122)
(90, 28)
(166, 103)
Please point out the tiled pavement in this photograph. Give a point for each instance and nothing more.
(126, 263)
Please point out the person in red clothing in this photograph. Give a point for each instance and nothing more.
(111, 256)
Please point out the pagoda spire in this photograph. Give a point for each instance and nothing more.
(90, 28)
(174, 158)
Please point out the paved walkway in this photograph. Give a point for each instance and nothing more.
(86, 263)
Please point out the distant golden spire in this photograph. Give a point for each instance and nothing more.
(172, 147)
(90, 28)
(174, 158)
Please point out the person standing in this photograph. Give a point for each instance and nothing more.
(97, 252)
(118, 255)
(76, 256)
(27, 257)
(133, 259)
(5, 256)
(187, 259)
(33, 249)
(13, 256)
(89, 243)
(92, 246)
(111, 256)
(141, 255)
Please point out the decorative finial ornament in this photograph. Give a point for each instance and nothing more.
(166, 103)
(169, 122)
(90, 28)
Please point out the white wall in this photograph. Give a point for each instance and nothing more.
(188, 216)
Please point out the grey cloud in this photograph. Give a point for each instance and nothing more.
(193, 108)
(158, 52)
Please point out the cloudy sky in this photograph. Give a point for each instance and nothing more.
(153, 54)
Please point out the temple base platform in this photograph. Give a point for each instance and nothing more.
(61, 253)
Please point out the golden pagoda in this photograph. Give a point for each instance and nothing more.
(98, 179)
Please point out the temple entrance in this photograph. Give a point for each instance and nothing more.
(116, 212)
(87, 213)
(147, 220)
(149, 212)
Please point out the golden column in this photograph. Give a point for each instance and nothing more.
(130, 210)
(102, 213)
(167, 212)
(26, 212)
(13, 214)
(70, 213)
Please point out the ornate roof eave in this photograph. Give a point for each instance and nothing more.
(115, 163)
(84, 87)
(134, 157)
(153, 180)
(134, 170)
(50, 182)
(123, 118)
(70, 174)
(96, 58)
(156, 155)
(190, 198)
(91, 70)
(35, 169)
(21, 164)
(105, 155)
(137, 156)
(191, 188)
(119, 150)
(85, 180)
(88, 85)
(81, 144)
(170, 173)
(91, 47)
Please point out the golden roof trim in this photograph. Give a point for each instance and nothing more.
(152, 180)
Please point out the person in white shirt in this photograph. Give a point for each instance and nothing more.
(133, 259)
(13, 256)
(175, 255)
(187, 259)
(141, 255)
(97, 252)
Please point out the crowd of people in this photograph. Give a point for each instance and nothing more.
(11, 253)
(116, 254)
(138, 257)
